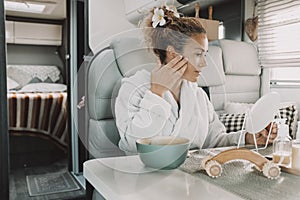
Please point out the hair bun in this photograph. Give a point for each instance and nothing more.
(164, 27)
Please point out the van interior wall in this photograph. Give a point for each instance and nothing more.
(107, 19)
(105, 14)
(34, 55)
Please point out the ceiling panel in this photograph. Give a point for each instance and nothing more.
(59, 11)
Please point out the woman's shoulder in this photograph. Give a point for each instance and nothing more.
(140, 77)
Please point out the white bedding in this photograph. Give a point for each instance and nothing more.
(43, 87)
(11, 84)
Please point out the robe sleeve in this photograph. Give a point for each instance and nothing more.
(217, 135)
(139, 114)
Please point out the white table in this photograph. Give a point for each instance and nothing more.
(121, 178)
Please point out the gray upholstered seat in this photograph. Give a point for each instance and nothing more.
(122, 58)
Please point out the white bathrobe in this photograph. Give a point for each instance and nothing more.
(142, 114)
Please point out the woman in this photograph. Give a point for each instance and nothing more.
(168, 101)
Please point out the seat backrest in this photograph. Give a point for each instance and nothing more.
(242, 74)
(213, 77)
(122, 58)
(242, 71)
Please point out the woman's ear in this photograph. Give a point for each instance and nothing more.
(171, 53)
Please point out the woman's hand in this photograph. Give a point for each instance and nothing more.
(261, 137)
(168, 77)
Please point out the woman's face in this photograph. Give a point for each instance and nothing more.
(195, 51)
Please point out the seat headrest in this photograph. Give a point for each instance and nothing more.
(212, 74)
(240, 58)
(132, 55)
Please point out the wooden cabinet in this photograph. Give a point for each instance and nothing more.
(33, 33)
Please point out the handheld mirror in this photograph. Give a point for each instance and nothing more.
(260, 115)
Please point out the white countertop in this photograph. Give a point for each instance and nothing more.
(126, 178)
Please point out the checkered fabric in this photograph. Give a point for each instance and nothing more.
(234, 122)
(289, 114)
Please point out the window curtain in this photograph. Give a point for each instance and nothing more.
(279, 33)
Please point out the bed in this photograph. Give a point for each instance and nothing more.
(37, 100)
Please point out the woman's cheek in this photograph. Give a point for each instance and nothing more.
(197, 61)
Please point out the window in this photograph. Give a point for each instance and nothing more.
(279, 33)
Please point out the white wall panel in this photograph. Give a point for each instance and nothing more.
(9, 31)
(107, 19)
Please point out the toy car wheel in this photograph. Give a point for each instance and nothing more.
(204, 161)
(271, 170)
(213, 168)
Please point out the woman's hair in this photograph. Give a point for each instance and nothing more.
(175, 32)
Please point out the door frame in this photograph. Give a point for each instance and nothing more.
(4, 140)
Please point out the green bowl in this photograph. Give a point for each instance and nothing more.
(163, 152)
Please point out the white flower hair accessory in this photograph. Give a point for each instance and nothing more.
(158, 17)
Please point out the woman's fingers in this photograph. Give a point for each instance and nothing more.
(177, 63)
(272, 137)
(264, 133)
(261, 137)
(274, 130)
(180, 64)
(273, 133)
(274, 127)
(182, 70)
(174, 61)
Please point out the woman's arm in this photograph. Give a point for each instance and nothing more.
(217, 135)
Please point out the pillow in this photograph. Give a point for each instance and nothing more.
(234, 122)
(291, 115)
(48, 80)
(237, 108)
(11, 84)
(44, 87)
(18, 75)
(24, 74)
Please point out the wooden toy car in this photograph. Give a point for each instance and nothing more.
(213, 167)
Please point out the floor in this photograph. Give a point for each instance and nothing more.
(18, 186)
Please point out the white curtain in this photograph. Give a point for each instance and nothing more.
(279, 33)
